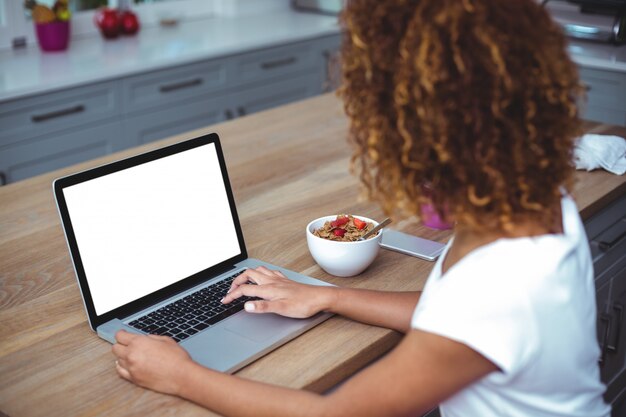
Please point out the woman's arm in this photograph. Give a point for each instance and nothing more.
(392, 310)
(282, 296)
(421, 372)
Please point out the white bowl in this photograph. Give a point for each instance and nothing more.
(343, 259)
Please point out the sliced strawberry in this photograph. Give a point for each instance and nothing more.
(339, 221)
(339, 232)
(360, 224)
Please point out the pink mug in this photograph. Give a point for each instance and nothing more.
(431, 219)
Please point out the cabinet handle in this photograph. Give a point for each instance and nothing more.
(619, 310)
(605, 319)
(229, 114)
(3, 178)
(241, 111)
(278, 63)
(59, 113)
(609, 240)
(178, 86)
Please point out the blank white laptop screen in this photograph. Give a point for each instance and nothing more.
(141, 229)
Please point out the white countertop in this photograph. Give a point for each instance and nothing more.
(598, 55)
(29, 71)
(589, 54)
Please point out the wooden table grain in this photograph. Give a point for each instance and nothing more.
(287, 166)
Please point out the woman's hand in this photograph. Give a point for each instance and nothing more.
(154, 362)
(279, 294)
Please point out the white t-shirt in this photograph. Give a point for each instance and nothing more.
(528, 306)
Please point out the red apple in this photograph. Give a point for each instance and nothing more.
(108, 20)
(129, 23)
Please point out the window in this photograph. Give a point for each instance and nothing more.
(15, 23)
(7, 24)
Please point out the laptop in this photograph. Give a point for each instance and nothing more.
(156, 241)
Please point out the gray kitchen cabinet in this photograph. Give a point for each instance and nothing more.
(607, 240)
(172, 85)
(273, 94)
(603, 320)
(172, 120)
(615, 340)
(49, 113)
(433, 413)
(276, 63)
(46, 153)
(606, 96)
(613, 343)
(330, 49)
(48, 131)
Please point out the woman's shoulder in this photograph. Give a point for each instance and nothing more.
(539, 255)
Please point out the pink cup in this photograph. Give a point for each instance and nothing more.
(431, 219)
(53, 36)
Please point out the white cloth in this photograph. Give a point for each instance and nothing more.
(601, 151)
(528, 306)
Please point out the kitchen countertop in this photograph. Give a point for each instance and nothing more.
(47, 349)
(587, 53)
(92, 59)
(602, 56)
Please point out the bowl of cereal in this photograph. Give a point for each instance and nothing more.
(334, 243)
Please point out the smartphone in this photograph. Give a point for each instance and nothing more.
(411, 245)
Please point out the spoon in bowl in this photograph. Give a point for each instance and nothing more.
(376, 229)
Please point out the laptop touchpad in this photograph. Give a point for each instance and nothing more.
(260, 327)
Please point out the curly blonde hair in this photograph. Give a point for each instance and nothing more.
(470, 105)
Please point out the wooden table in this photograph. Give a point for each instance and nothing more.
(287, 166)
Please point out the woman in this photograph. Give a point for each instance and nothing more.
(471, 106)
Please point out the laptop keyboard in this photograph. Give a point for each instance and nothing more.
(192, 313)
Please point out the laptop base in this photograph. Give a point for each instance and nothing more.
(240, 339)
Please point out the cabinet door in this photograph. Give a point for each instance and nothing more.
(603, 323)
(603, 114)
(618, 402)
(263, 97)
(55, 112)
(605, 96)
(176, 119)
(39, 155)
(329, 50)
(275, 63)
(433, 413)
(175, 85)
(616, 339)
